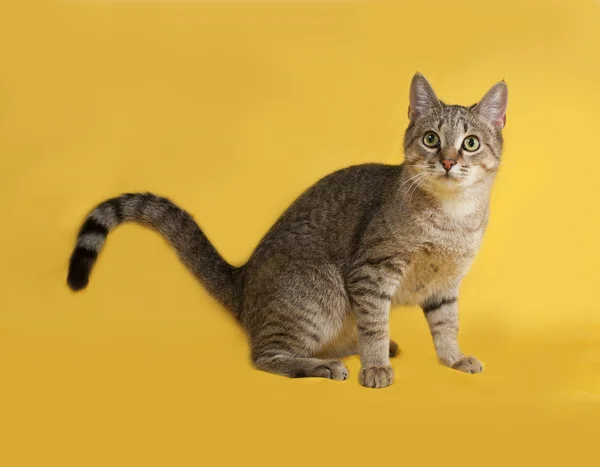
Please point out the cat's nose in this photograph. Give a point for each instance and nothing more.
(448, 164)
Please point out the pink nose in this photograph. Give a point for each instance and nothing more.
(448, 164)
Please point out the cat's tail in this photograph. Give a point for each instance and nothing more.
(174, 224)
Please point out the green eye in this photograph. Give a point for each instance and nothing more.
(471, 143)
(431, 139)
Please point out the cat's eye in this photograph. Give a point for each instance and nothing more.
(431, 139)
(471, 143)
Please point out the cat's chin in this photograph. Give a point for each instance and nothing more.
(448, 182)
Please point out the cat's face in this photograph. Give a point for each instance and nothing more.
(449, 147)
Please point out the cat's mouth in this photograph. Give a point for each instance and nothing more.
(448, 176)
(448, 180)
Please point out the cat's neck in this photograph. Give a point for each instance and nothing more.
(471, 201)
(455, 202)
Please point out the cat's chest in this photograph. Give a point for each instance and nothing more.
(443, 243)
(438, 264)
(427, 274)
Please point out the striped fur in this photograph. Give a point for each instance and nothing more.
(173, 223)
(320, 284)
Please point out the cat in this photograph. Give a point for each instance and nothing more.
(320, 284)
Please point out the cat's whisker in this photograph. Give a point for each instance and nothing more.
(420, 182)
(409, 180)
(415, 180)
(415, 184)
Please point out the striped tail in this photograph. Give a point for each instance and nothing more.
(174, 224)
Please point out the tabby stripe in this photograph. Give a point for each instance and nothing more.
(393, 268)
(430, 306)
(143, 200)
(91, 226)
(278, 335)
(303, 317)
(385, 262)
(370, 332)
(291, 335)
(295, 322)
(366, 305)
(164, 211)
(117, 207)
(366, 292)
(82, 253)
(368, 309)
(494, 153)
(443, 322)
(273, 344)
(412, 141)
(357, 280)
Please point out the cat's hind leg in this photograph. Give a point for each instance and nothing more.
(304, 309)
(394, 349)
(288, 344)
(301, 367)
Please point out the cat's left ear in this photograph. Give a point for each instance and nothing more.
(492, 107)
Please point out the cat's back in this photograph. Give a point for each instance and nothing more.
(356, 183)
(327, 215)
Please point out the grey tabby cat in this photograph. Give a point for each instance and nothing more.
(320, 284)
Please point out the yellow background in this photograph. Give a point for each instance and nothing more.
(232, 110)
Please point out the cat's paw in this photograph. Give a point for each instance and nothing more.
(394, 349)
(376, 376)
(468, 365)
(333, 369)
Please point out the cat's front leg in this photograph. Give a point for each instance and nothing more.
(441, 312)
(371, 297)
(372, 320)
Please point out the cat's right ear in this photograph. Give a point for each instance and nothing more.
(422, 98)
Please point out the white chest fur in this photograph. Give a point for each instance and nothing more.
(458, 207)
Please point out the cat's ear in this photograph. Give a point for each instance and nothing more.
(492, 107)
(422, 98)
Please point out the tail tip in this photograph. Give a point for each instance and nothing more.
(80, 267)
(77, 280)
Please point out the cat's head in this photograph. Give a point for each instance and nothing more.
(454, 147)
